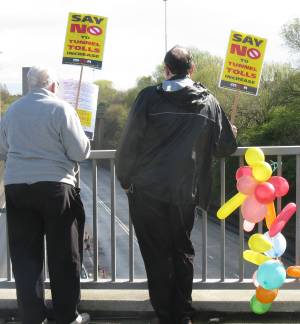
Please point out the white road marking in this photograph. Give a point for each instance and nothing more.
(101, 203)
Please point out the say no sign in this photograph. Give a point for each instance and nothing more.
(85, 38)
(243, 63)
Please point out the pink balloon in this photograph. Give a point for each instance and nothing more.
(248, 226)
(252, 210)
(280, 184)
(243, 171)
(246, 185)
(282, 219)
(265, 193)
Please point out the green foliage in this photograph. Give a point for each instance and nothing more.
(4, 94)
(114, 119)
(107, 95)
(141, 83)
(6, 99)
(281, 113)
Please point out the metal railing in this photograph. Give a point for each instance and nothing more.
(203, 281)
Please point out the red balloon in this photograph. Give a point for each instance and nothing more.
(281, 220)
(280, 184)
(265, 192)
(243, 171)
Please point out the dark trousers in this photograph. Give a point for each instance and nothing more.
(53, 209)
(163, 232)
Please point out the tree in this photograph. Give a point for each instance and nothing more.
(141, 83)
(115, 117)
(4, 94)
(291, 34)
(6, 99)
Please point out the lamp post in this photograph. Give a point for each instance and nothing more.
(166, 40)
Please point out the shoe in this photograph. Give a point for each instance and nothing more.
(83, 318)
(187, 320)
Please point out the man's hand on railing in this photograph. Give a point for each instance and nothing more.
(234, 130)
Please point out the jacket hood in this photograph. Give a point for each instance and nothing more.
(187, 97)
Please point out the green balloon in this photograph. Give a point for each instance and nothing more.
(257, 307)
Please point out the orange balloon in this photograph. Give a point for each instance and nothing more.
(271, 214)
(266, 296)
(293, 271)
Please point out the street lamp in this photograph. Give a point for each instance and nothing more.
(166, 43)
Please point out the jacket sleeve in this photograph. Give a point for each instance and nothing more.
(224, 139)
(74, 140)
(131, 140)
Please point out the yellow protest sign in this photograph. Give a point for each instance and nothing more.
(85, 117)
(243, 63)
(85, 37)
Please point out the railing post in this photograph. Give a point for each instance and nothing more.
(279, 173)
(222, 237)
(241, 237)
(8, 263)
(131, 251)
(95, 222)
(113, 220)
(204, 245)
(298, 209)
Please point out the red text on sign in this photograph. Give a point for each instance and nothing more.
(252, 53)
(82, 29)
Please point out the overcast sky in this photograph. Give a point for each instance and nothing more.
(33, 32)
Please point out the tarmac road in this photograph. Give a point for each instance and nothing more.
(122, 220)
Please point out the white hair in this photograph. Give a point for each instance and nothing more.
(40, 77)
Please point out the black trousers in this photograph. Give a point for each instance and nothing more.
(53, 209)
(163, 232)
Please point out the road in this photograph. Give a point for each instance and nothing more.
(122, 219)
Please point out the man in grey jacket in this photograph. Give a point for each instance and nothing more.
(42, 141)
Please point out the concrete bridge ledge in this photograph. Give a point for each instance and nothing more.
(121, 301)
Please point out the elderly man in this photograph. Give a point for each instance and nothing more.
(42, 141)
(164, 163)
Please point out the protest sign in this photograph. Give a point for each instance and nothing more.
(85, 37)
(87, 102)
(243, 63)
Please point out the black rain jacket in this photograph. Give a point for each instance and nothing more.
(169, 142)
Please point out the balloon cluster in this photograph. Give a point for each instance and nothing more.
(257, 190)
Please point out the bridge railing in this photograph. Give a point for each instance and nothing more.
(221, 281)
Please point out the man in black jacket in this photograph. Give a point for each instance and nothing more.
(164, 164)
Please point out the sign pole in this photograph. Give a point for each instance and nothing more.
(79, 86)
(234, 107)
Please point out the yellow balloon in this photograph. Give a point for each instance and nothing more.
(254, 155)
(231, 205)
(271, 214)
(261, 171)
(255, 257)
(258, 243)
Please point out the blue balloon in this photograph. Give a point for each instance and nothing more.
(271, 274)
(279, 245)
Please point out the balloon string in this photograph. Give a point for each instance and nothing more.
(274, 165)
